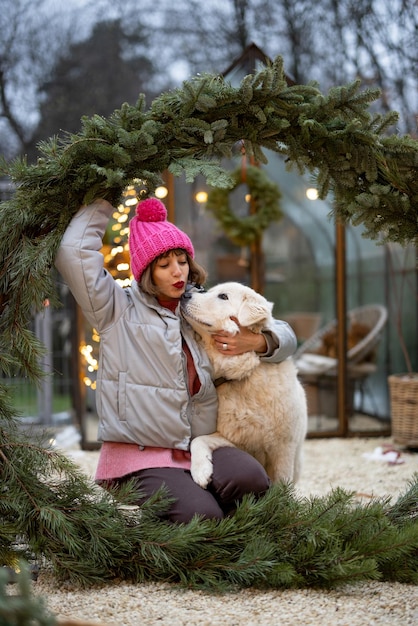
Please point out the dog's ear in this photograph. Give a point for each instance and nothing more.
(253, 311)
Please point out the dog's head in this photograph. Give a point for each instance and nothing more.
(212, 310)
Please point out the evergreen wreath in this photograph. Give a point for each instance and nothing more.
(264, 193)
(280, 540)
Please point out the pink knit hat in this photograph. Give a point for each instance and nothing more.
(150, 234)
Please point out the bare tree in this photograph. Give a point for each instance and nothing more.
(329, 41)
(95, 77)
(25, 53)
(32, 36)
(376, 41)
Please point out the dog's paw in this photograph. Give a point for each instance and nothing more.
(202, 471)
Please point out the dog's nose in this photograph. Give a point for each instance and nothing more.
(195, 289)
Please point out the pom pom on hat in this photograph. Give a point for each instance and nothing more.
(150, 234)
(151, 210)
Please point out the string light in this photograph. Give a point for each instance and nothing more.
(116, 261)
(161, 192)
(91, 362)
(201, 197)
(312, 193)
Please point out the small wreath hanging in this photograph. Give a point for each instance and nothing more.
(264, 193)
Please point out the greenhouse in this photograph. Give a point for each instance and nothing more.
(343, 293)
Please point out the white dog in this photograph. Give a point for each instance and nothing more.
(262, 406)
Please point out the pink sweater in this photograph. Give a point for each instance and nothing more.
(119, 459)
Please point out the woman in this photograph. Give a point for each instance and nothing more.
(154, 388)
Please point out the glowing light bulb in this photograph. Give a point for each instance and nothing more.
(312, 193)
(161, 192)
(201, 197)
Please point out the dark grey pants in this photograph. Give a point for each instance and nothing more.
(235, 474)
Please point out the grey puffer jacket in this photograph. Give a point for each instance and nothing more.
(142, 392)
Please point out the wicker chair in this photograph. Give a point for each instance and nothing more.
(304, 324)
(317, 371)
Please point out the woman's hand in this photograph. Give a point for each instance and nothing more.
(243, 341)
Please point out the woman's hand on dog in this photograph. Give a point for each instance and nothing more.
(243, 341)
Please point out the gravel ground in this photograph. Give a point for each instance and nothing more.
(355, 464)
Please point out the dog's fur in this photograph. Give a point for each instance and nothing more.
(262, 406)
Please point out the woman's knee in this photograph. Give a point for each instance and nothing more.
(187, 498)
(182, 512)
(237, 473)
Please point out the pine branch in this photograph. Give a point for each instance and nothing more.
(22, 609)
(191, 129)
(280, 541)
